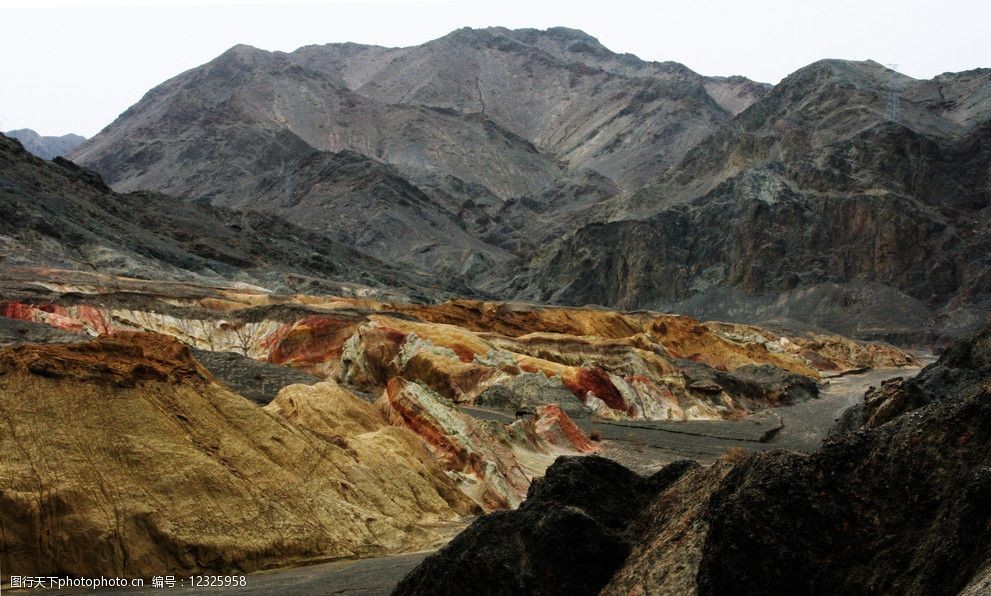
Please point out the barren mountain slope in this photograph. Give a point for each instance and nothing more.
(59, 215)
(821, 203)
(560, 89)
(510, 136)
(253, 130)
(262, 96)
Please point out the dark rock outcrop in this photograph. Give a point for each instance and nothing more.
(526, 392)
(258, 381)
(568, 537)
(816, 204)
(903, 507)
(962, 368)
(764, 384)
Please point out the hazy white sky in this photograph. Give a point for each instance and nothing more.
(74, 66)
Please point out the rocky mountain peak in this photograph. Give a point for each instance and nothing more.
(46, 147)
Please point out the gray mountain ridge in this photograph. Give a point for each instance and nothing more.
(472, 135)
(539, 165)
(46, 147)
(816, 204)
(57, 214)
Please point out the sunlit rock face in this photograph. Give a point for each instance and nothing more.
(123, 456)
(493, 463)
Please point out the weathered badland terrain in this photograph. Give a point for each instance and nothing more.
(334, 304)
(899, 507)
(358, 435)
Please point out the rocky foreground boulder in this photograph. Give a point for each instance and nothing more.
(899, 507)
(569, 536)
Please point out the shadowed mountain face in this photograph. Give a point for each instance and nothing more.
(828, 201)
(46, 147)
(539, 165)
(56, 214)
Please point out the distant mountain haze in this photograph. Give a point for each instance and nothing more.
(46, 147)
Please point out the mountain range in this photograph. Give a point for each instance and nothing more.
(539, 165)
(332, 306)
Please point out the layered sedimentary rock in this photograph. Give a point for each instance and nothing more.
(828, 353)
(491, 462)
(633, 377)
(617, 365)
(889, 506)
(288, 339)
(512, 357)
(123, 457)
